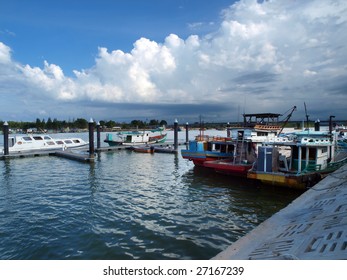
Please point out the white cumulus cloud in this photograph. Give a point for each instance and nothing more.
(270, 55)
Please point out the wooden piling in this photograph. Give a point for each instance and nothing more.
(187, 133)
(176, 134)
(98, 140)
(6, 143)
(317, 125)
(91, 137)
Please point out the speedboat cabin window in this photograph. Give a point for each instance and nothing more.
(68, 141)
(27, 138)
(38, 138)
(76, 141)
(59, 142)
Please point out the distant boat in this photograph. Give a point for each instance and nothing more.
(138, 137)
(38, 142)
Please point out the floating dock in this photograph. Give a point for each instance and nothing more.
(83, 155)
(312, 227)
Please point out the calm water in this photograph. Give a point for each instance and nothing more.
(125, 206)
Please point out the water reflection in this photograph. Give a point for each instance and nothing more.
(125, 206)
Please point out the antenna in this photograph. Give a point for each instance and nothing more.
(306, 116)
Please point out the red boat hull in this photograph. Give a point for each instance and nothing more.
(228, 167)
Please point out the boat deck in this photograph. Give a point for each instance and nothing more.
(314, 226)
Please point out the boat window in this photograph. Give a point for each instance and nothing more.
(37, 137)
(47, 138)
(27, 138)
(50, 143)
(59, 142)
(76, 141)
(68, 141)
(11, 142)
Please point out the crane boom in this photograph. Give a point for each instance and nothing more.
(287, 119)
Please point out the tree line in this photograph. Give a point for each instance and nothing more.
(79, 123)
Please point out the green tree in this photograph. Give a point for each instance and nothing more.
(137, 123)
(81, 123)
(49, 124)
(163, 122)
(153, 122)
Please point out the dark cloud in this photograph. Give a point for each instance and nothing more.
(256, 77)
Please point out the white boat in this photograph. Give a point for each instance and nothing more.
(30, 143)
(138, 137)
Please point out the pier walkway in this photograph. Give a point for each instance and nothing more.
(81, 154)
(312, 227)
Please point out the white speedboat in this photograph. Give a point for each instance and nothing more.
(30, 143)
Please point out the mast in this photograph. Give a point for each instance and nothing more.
(307, 121)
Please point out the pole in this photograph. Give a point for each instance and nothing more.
(317, 125)
(331, 136)
(98, 129)
(187, 133)
(228, 129)
(176, 134)
(6, 133)
(91, 137)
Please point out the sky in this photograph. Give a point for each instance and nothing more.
(172, 59)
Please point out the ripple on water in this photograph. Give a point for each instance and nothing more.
(124, 206)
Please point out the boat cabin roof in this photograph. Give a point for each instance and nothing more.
(251, 120)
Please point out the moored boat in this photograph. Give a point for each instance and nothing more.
(205, 148)
(138, 137)
(143, 149)
(229, 167)
(165, 150)
(299, 160)
(257, 128)
(44, 142)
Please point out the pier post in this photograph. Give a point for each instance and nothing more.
(228, 129)
(6, 133)
(98, 129)
(331, 137)
(187, 133)
(176, 134)
(91, 137)
(317, 125)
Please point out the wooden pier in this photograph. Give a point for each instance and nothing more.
(312, 227)
(88, 154)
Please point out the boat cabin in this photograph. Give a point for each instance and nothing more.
(306, 154)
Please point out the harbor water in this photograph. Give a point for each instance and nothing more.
(126, 205)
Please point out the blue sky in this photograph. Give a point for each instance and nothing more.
(167, 59)
(68, 33)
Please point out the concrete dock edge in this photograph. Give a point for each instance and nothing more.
(312, 227)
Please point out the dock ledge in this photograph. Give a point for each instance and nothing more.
(312, 227)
